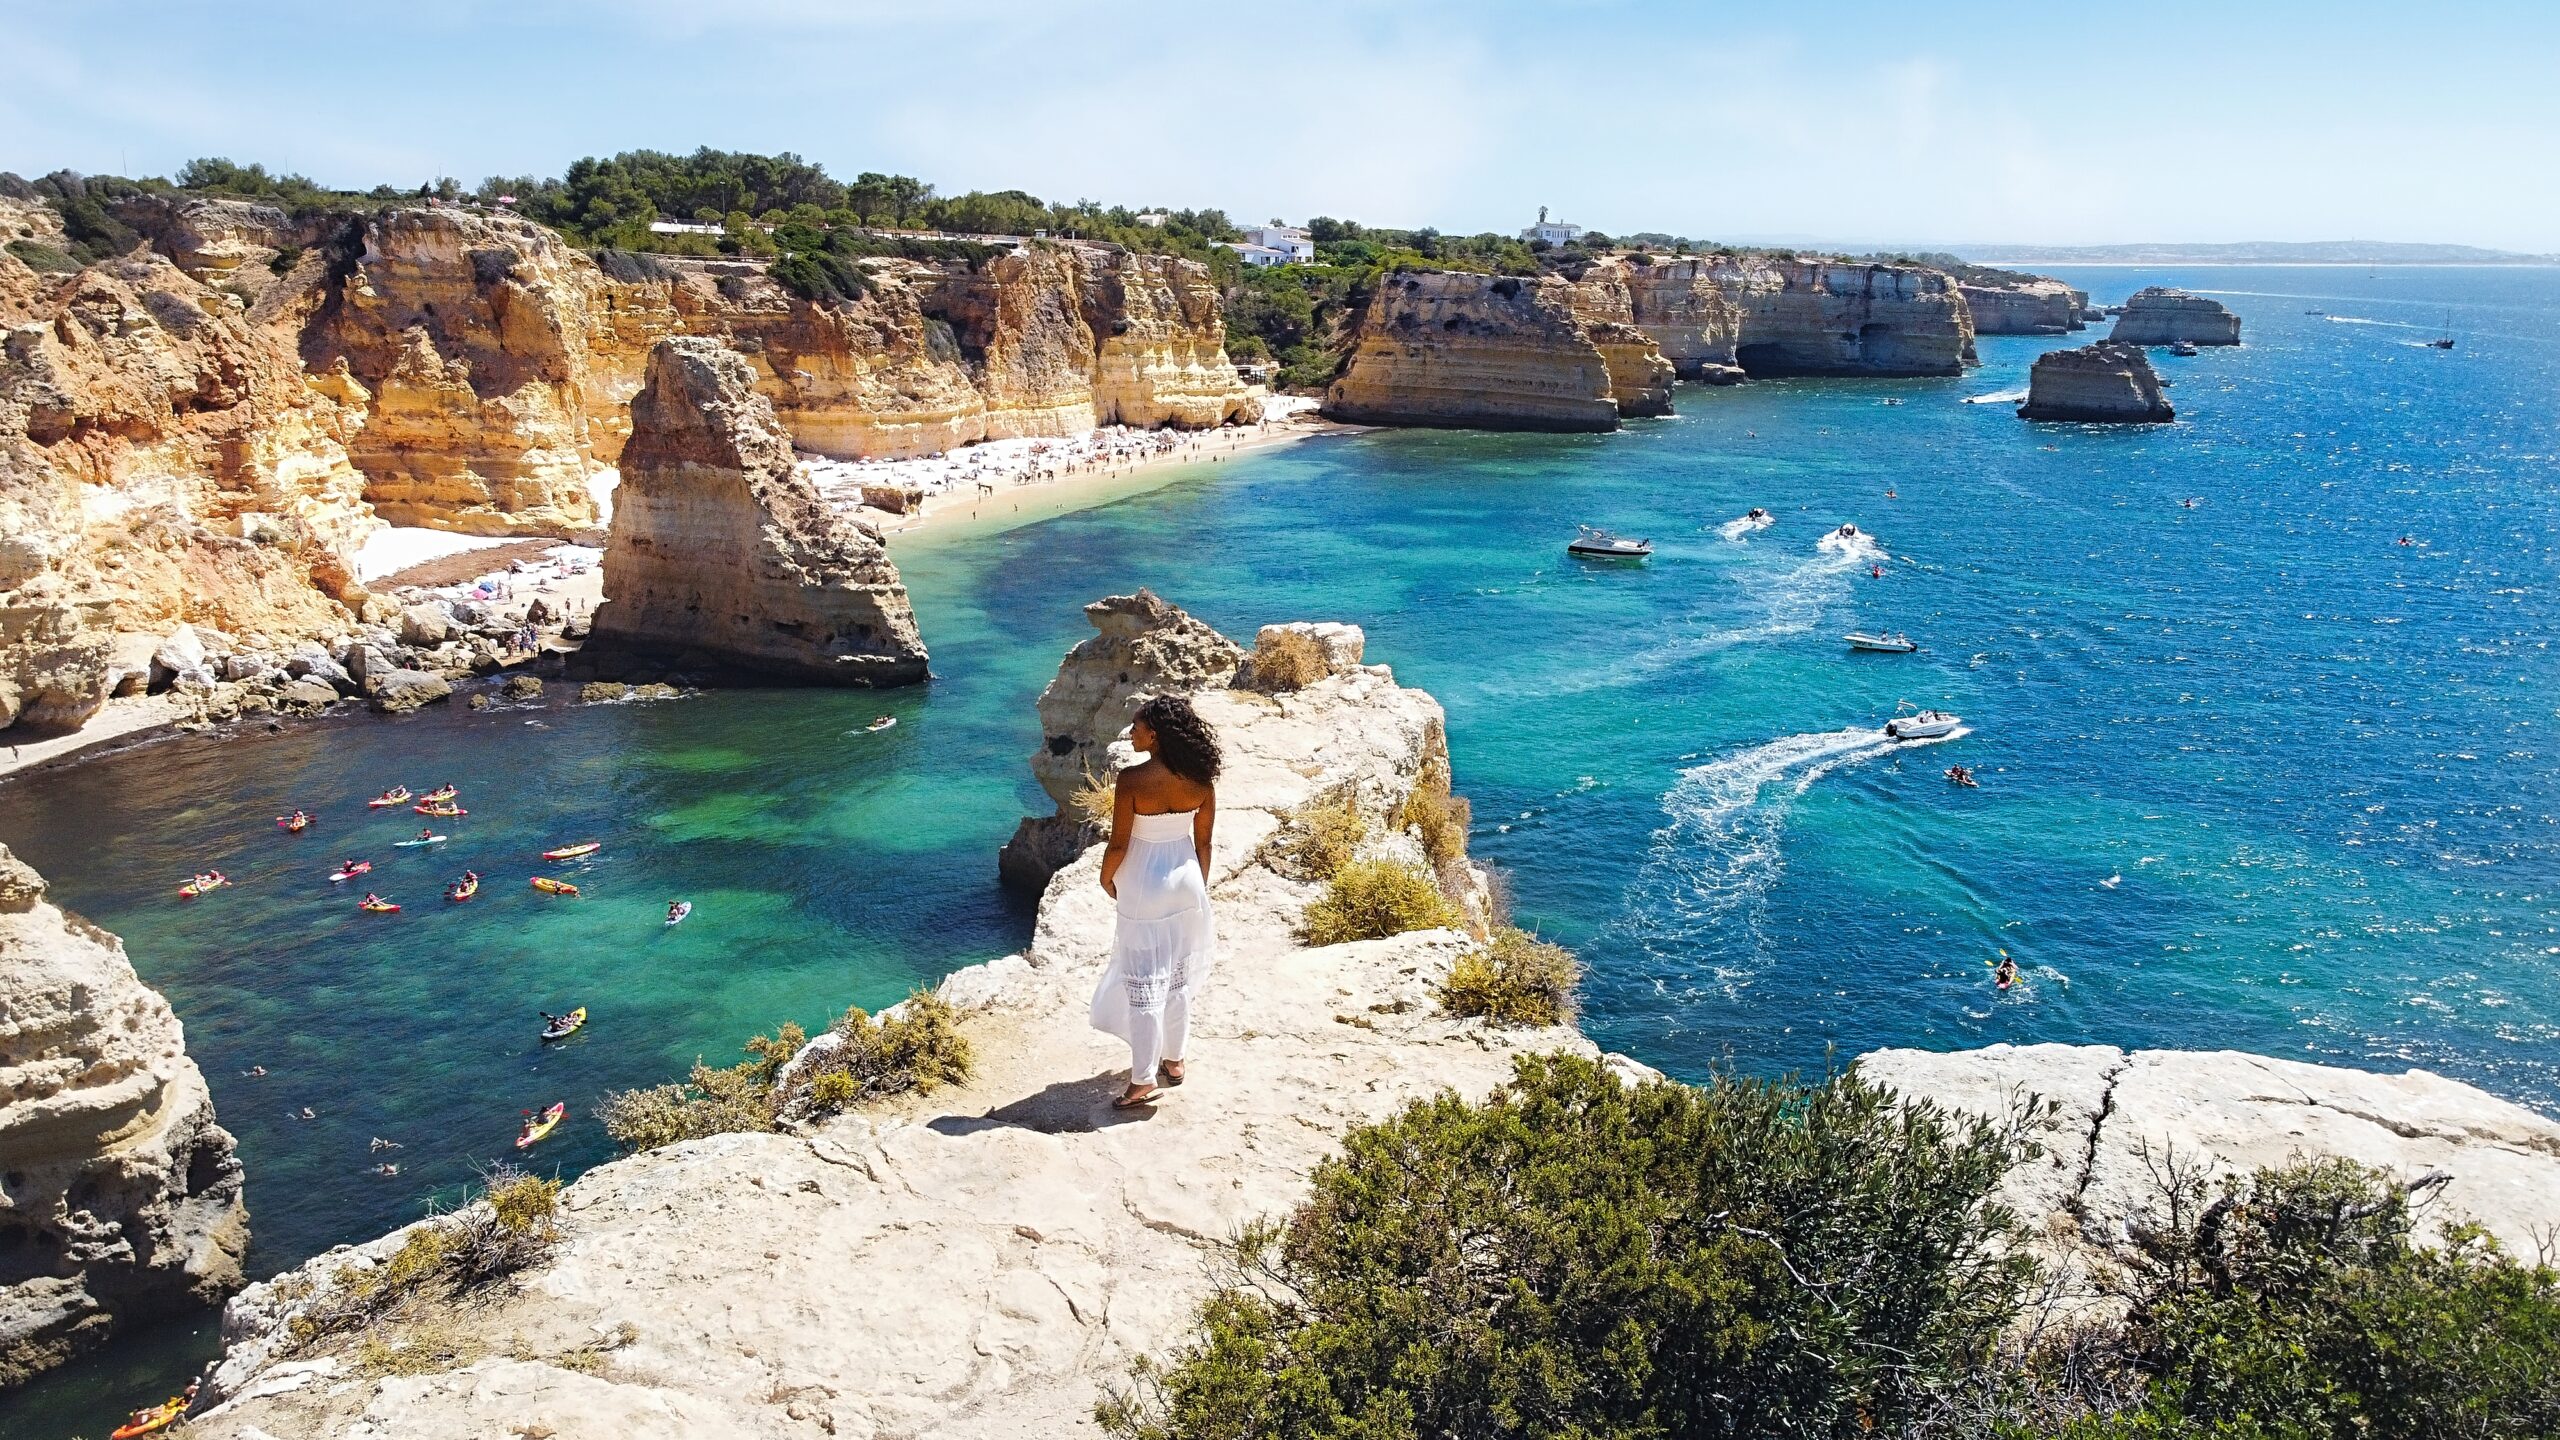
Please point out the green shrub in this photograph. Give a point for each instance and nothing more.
(42, 258)
(1575, 1257)
(285, 259)
(1317, 839)
(919, 1048)
(2295, 1305)
(1373, 899)
(509, 1226)
(1515, 979)
(708, 1102)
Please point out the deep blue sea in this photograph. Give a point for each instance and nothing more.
(2273, 770)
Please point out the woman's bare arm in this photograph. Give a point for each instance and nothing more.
(1124, 813)
(1203, 821)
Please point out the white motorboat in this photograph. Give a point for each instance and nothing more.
(1926, 725)
(1881, 644)
(1597, 544)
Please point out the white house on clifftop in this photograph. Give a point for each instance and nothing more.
(1275, 245)
(1554, 232)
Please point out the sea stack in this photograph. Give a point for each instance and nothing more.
(2162, 316)
(2103, 382)
(722, 555)
(1143, 646)
(1484, 352)
(122, 1200)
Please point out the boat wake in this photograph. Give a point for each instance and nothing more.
(1998, 397)
(1741, 525)
(1789, 602)
(1705, 882)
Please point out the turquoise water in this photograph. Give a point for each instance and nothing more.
(2253, 773)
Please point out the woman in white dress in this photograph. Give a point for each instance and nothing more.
(1156, 869)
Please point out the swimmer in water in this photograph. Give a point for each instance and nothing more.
(306, 1113)
(386, 1169)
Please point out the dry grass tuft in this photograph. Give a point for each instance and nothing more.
(1319, 837)
(1092, 802)
(1286, 660)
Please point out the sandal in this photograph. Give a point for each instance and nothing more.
(1133, 1102)
(1170, 1073)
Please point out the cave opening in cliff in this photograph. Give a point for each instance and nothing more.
(1761, 361)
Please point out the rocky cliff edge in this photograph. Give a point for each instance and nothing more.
(120, 1197)
(983, 1262)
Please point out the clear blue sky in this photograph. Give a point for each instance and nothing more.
(1850, 122)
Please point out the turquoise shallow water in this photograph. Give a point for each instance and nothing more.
(2253, 773)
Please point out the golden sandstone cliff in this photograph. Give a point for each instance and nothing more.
(723, 554)
(203, 431)
(163, 460)
(1494, 352)
(499, 359)
(1549, 353)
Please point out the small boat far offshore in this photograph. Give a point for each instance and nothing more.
(1881, 644)
(1593, 543)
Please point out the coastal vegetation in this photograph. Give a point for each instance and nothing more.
(1515, 978)
(1579, 1256)
(1373, 899)
(511, 1225)
(916, 1046)
(1319, 837)
(1574, 1256)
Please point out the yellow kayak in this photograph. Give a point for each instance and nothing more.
(549, 886)
(535, 1129)
(572, 852)
(564, 1026)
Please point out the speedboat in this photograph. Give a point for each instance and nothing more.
(1881, 644)
(1593, 543)
(1846, 531)
(1926, 725)
(1757, 514)
(2182, 347)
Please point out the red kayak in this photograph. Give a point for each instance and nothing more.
(351, 871)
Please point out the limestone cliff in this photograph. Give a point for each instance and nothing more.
(1492, 352)
(2120, 1114)
(1142, 647)
(2163, 316)
(722, 554)
(163, 459)
(2104, 382)
(1160, 343)
(980, 1262)
(2026, 305)
(1690, 310)
(1640, 375)
(1841, 317)
(123, 1198)
(471, 332)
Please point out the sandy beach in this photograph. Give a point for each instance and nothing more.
(988, 480)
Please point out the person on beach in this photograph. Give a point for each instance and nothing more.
(1156, 871)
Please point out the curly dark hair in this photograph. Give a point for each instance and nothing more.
(1184, 741)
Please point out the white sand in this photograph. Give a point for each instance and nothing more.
(395, 548)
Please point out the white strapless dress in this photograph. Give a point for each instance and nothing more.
(1162, 946)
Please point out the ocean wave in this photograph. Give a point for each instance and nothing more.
(1789, 602)
(1705, 881)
